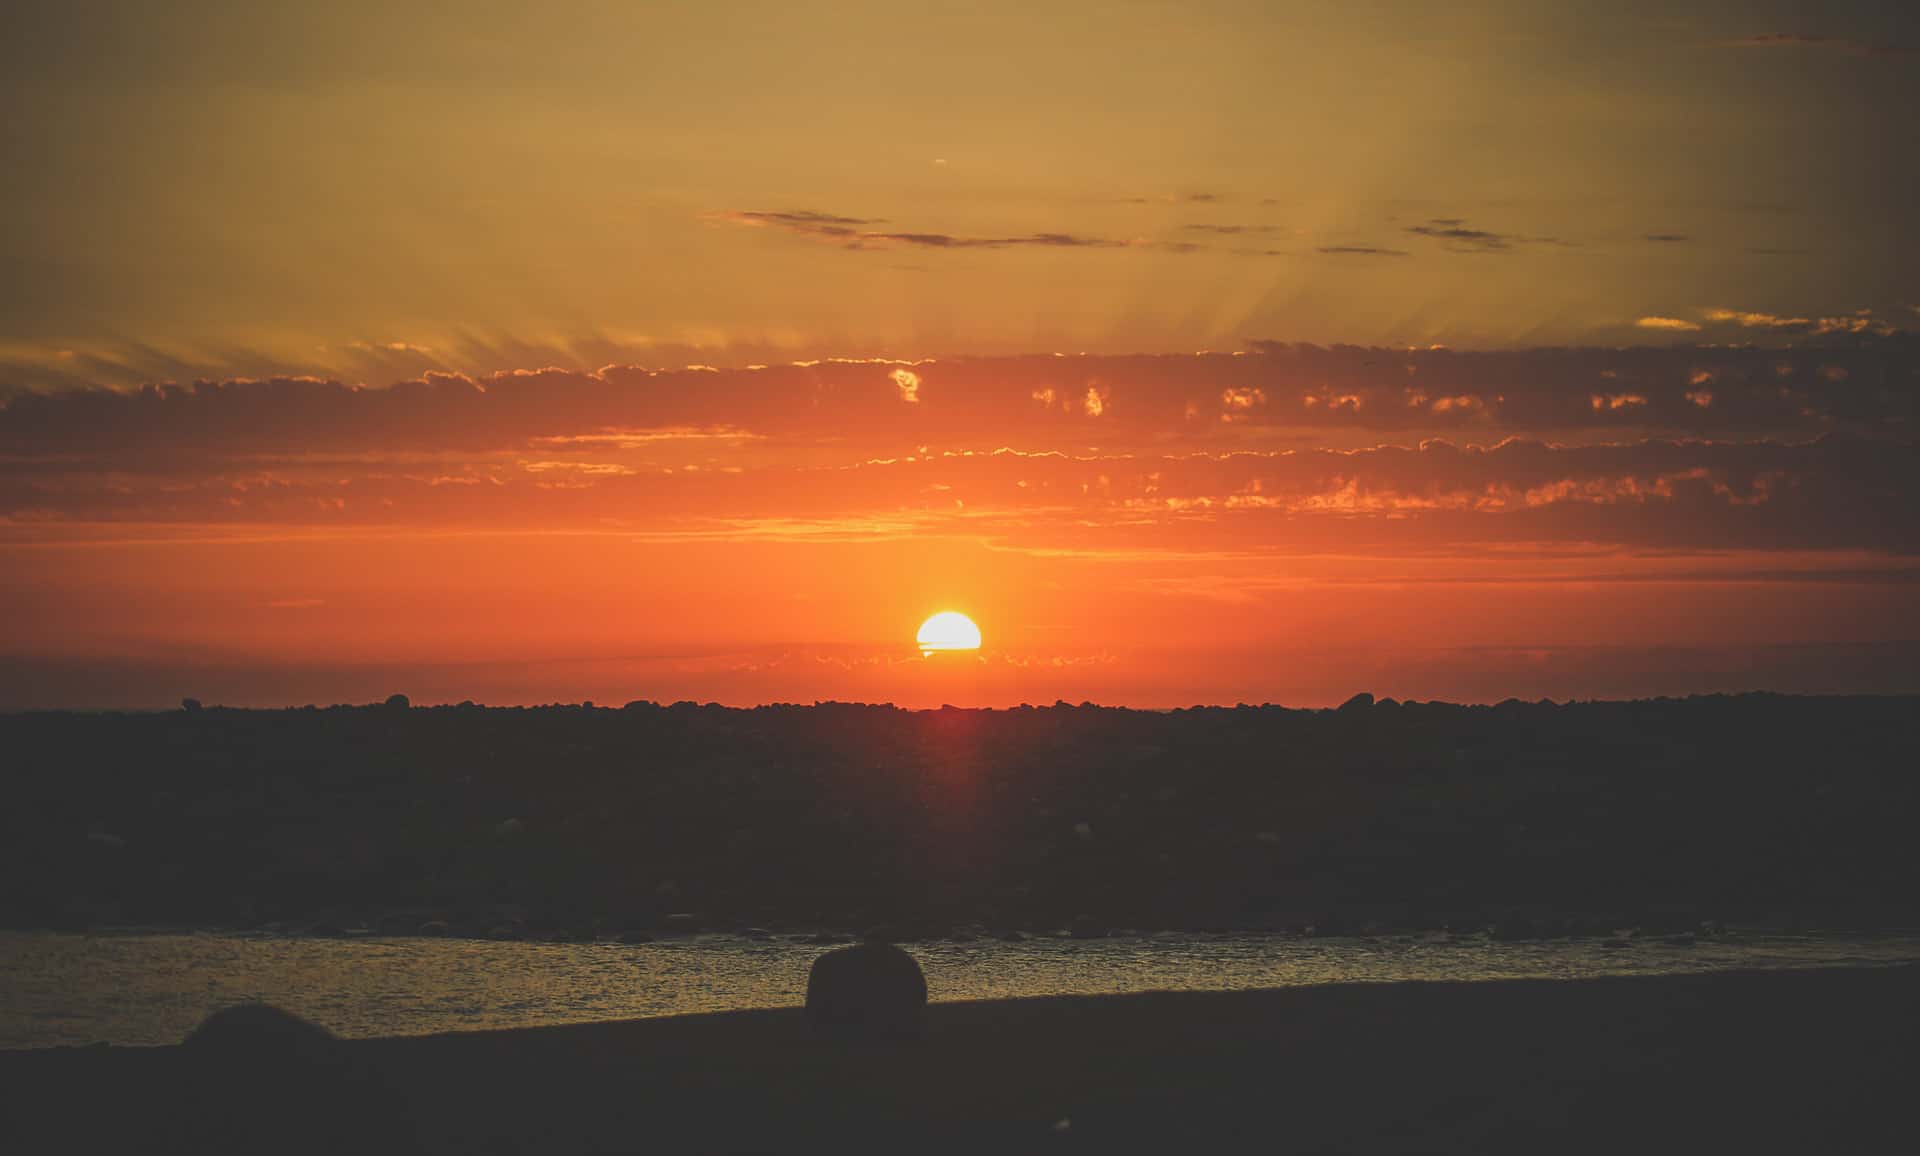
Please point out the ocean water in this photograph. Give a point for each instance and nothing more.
(136, 988)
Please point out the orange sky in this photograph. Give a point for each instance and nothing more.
(1290, 524)
(1202, 353)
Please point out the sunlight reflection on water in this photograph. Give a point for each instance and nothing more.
(152, 989)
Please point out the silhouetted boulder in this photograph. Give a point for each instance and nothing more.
(871, 990)
(257, 1032)
(264, 1080)
(1360, 701)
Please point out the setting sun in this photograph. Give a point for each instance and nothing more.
(948, 630)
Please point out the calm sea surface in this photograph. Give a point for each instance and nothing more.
(152, 989)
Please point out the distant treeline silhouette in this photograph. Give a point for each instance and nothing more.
(573, 821)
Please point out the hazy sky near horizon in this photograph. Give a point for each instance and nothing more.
(1202, 352)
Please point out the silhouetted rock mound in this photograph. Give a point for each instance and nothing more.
(265, 1080)
(871, 990)
(1360, 701)
(258, 1032)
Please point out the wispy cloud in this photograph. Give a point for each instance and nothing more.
(1175, 199)
(1234, 230)
(803, 220)
(1273, 395)
(1360, 251)
(1753, 320)
(1455, 230)
(1459, 237)
(1828, 43)
(1667, 238)
(1832, 493)
(952, 241)
(1674, 324)
(604, 469)
(851, 232)
(1862, 322)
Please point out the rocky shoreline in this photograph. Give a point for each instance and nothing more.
(1743, 1061)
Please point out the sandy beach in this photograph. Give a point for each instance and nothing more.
(1787, 1061)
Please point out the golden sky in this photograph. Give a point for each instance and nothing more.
(367, 188)
(1202, 352)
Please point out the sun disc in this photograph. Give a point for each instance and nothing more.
(948, 630)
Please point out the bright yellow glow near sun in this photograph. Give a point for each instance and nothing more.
(949, 630)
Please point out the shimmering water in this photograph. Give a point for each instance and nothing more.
(152, 989)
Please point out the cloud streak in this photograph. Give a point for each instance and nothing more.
(1806, 40)
(1830, 494)
(1455, 231)
(801, 220)
(854, 233)
(1281, 447)
(1857, 381)
(1233, 230)
(1856, 323)
(1457, 236)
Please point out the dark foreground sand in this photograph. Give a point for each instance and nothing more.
(1820, 1061)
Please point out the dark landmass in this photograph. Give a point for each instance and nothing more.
(572, 822)
(1817, 1061)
